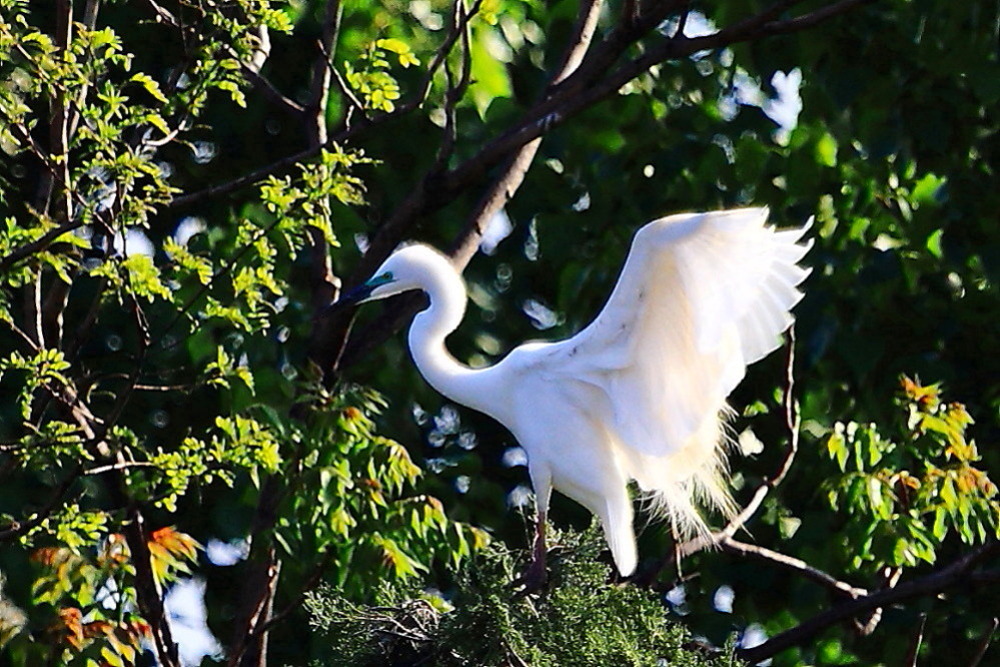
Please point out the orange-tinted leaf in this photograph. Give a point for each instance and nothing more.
(925, 397)
(72, 626)
(175, 542)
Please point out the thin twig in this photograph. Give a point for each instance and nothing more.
(311, 582)
(984, 643)
(504, 187)
(794, 564)
(918, 638)
(354, 103)
(269, 90)
(122, 465)
(455, 91)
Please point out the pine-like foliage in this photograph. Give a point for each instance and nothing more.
(582, 619)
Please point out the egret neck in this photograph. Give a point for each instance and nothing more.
(476, 388)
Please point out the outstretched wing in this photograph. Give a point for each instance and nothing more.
(701, 296)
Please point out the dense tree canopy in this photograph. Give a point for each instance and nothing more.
(186, 184)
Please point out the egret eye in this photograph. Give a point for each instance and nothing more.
(381, 279)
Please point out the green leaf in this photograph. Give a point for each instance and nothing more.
(934, 243)
(929, 190)
(826, 150)
(150, 85)
(940, 529)
(489, 75)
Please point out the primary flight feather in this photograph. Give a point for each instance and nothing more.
(640, 393)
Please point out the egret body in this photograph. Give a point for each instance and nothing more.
(640, 393)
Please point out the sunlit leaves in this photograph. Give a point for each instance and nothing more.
(240, 444)
(489, 74)
(133, 276)
(187, 262)
(151, 86)
(220, 371)
(365, 509)
(16, 234)
(171, 553)
(906, 497)
(826, 150)
(45, 369)
(400, 48)
(89, 597)
(371, 76)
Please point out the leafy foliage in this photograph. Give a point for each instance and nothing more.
(86, 595)
(902, 500)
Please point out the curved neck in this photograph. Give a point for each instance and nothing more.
(427, 344)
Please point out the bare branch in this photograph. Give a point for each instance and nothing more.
(324, 285)
(918, 638)
(25, 338)
(44, 241)
(265, 86)
(930, 584)
(148, 595)
(39, 244)
(456, 90)
(311, 582)
(984, 643)
(59, 126)
(506, 185)
(354, 104)
(794, 564)
(584, 89)
(316, 108)
(112, 467)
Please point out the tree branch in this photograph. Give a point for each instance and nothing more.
(464, 246)
(147, 593)
(584, 89)
(311, 582)
(794, 564)
(340, 137)
(933, 583)
(918, 637)
(506, 185)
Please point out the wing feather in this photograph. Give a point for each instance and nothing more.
(699, 298)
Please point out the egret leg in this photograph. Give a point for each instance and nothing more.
(535, 575)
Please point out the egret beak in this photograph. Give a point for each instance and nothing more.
(354, 296)
(359, 294)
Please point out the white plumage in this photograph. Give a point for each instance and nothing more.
(639, 393)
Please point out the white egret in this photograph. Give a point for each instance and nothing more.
(640, 393)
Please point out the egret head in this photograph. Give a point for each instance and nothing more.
(411, 267)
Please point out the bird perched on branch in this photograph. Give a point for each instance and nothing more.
(640, 393)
